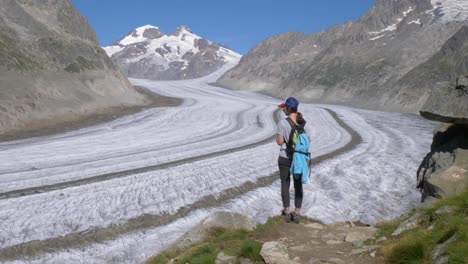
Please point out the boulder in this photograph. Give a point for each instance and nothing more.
(439, 255)
(360, 234)
(275, 252)
(223, 259)
(444, 171)
(408, 224)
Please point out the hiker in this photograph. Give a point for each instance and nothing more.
(284, 136)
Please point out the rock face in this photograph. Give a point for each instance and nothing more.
(375, 62)
(52, 69)
(444, 170)
(148, 53)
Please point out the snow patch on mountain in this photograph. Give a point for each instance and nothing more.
(111, 50)
(392, 27)
(417, 21)
(137, 36)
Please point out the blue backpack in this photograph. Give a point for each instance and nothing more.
(298, 150)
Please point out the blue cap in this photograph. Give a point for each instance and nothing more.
(291, 101)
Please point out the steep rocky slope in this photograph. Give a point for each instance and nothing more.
(367, 63)
(52, 70)
(148, 53)
(444, 170)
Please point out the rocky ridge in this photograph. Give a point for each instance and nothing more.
(148, 53)
(52, 70)
(374, 62)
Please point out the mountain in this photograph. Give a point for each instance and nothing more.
(52, 70)
(148, 53)
(372, 62)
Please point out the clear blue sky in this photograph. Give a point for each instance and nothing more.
(238, 24)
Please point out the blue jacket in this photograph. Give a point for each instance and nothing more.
(301, 157)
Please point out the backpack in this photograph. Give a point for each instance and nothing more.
(298, 147)
(293, 137)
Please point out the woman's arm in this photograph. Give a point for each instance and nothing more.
(279, 140)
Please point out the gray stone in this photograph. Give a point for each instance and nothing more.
(332, 236)
(408, 224)
(315, 226)
(246, 261)
(333, 242)
(439, 255)
(358, 251)
(365, 248)
(381, 239)
(446, 210)
(334, 260)
(298, 248)
(223, 259)
(326, 261)
(358, 243)
(371, 247)
(443, 171)
(360, 234)
(275, 253)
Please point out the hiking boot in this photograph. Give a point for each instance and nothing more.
(287, 216)
(295, 217)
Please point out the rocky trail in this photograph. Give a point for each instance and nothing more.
(312, 242)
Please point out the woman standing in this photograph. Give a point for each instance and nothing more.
(285, 127)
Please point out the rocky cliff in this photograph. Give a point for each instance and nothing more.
(148, 53)
(444, 170)
(374, 62)
(52, 70)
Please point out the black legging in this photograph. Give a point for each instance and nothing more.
(284, 165)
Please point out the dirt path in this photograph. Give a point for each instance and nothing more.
(312, 242)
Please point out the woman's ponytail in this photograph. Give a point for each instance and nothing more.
(299, 118)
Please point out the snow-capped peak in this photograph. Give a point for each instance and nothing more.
(451, 10)
(145, 27)
(182, 30)
(155, 53)
(138, 35)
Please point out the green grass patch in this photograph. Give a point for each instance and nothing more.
(232, 242)
(410, 250)
(204, 254)
(272, 221)
(251, 249)
(416, 246)
(386, 228)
